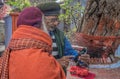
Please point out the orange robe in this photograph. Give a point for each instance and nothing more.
(33, 63)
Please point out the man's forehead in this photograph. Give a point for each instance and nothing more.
(51, 16)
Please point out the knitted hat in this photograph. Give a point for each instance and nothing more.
(50, 8)
(30, 16)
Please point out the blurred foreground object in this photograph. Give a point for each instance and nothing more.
(4, 11)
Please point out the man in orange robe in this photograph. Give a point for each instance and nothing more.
(28, 55)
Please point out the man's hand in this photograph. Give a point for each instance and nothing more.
(85, 58)
(64, 61)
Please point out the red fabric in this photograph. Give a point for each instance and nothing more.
(33, 63)
(76, 70)
(81, 72)
(89, 76)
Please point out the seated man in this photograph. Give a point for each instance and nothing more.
(62, 49)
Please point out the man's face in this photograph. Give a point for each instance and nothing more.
(51, 21)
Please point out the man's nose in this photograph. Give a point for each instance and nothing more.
(56, 22)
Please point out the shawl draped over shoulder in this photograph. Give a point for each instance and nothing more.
(28, 56)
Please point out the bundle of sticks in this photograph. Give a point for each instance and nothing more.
(100, 48)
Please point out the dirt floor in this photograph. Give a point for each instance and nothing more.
(102, 74)
(109, 73)
(106, 73)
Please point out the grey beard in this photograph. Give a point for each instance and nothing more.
(44, 26)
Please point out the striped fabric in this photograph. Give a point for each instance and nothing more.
(17, 44)
(54, 45)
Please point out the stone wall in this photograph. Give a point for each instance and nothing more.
(2, 31)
